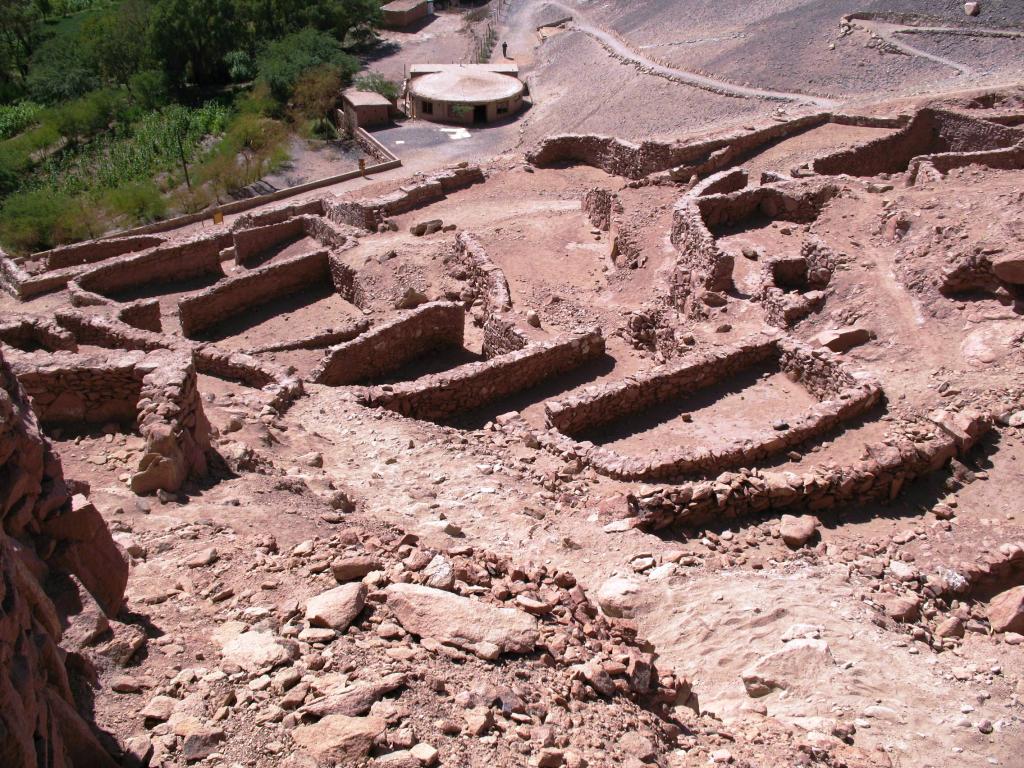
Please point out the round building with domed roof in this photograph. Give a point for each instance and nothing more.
(467, 94)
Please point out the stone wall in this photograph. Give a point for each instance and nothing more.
(388, 346)
(1011, 158)
(442, 395)
(598, 205)
(235, 295)
(268, 216)
(721, 183)
(348, 331)
(45, 532)
(157, 391)
(841, 396)
(96, 250)
(701, 264)
(143, 314)
(29, 333)
(502, 335)
(371, 213)
(343, 277)
(917, 449)
(252, 242)
(930, 131)
(793, 287)
(164, 264)
(472, 263)
(283, 387)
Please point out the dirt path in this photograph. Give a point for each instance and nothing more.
(889, 32)
(623, 51)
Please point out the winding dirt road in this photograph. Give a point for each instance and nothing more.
(625, 52)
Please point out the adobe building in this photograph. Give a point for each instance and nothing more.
(364, 109)
(464, 93)
(402, 13)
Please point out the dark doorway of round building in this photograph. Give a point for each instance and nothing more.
(480, 113)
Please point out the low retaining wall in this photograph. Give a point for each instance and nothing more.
(1009, 159)
(29, 333)
(142, 314)
(156, 390)
(930, 131)
(235, 295)
(164, 264)
(370, 213)
(347, 332)
(473, 264)
(96, 250)
(467, 387)
(252, 242)
(922, 448)
(386, 347)
(209, 359)
(841, 397)
(278, 214)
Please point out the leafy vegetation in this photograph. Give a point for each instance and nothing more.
(373, 81)
(123, 111)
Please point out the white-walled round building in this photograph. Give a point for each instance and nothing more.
(465, 94)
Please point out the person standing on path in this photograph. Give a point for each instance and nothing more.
(504, 49)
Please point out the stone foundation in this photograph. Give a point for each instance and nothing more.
(442, 395)
(388, 346)
(794, 287)
(919, 449)
(931, 131)
(165, 264)
(841, 395)
(156, 390)
(371, 213)
(236, 295)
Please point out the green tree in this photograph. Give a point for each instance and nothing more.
(117, 42)
(19, 36)
(193, 37)
(284, 61)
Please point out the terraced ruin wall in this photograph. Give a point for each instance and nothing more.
(502, 335)
(841, 396)
(929, 132)
(235, 295)
(370, 213)
(442, 395)
(96, 250)
(881, 477)
(388, 346)
(157, 391)
(29, 333)
(485, 277)
(166, 264)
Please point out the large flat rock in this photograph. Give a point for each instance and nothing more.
(475, 626)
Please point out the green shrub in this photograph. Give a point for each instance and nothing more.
(139, 201)
(377, 83)
(41, 219)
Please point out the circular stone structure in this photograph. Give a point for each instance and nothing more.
(466, 96)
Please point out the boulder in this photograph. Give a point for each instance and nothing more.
(799, 661)
(336, 608)
(87, 550)
(353, 700)
(254, 651)
(619, 597)
(972, 9)
(339, 739)
(797, 531)
(843, 339)
(475, 626)
(1009, 268)
(354, 568)
(1006, 611)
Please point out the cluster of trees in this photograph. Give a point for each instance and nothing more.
(107, 115)
(144, 45)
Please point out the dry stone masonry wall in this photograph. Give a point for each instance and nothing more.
(388, 346)
(841, 395)
(442, 395)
